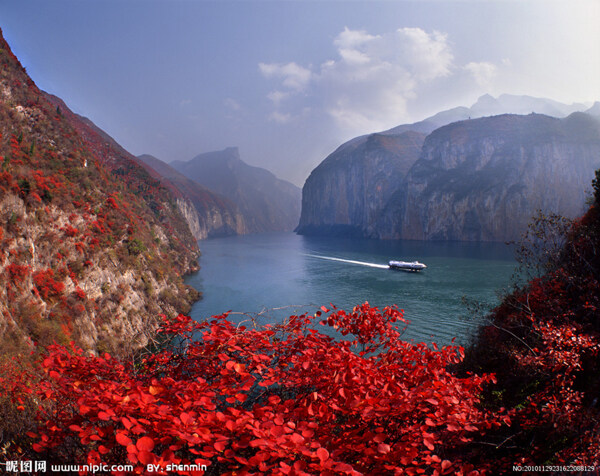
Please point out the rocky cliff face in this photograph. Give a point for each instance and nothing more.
(92, 247)
(208, 214)
(475, 180)
(347, 191)
(117, 159)
(265, 202)
(483, 180)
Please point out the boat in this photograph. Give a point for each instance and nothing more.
(407, 265)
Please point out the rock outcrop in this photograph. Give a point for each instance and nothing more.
(209, 214)
(265, 202)
(362, 188)
(92, 247)
(483, 179)
(345, 194)
(475, 180)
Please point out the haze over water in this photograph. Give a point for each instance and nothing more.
(248, 274)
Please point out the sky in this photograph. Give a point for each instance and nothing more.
(289, 81)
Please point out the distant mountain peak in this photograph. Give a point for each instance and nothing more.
(485, 101)
(235, 150)
(594, 110)
(266, 202)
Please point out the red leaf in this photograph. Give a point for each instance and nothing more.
(185, 418)
(37, 448)
(323, 454)
(126, 422)
(145, 443)
(383, 448)
(429, 444)
(123, 439)
(145, 457)
(220, 445)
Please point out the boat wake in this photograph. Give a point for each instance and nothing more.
(362, 263)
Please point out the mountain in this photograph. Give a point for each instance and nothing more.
(266, 202)
(92, 247)
(347, 191)
(487, 105)
(120, 162)
(594, 110)
(483, 179)
(215, 214)
(332, 203)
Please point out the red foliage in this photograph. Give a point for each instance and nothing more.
(112, 203)
(70, 230)
(46, 285)
(284, 399)
(544, 348)
(16, 272)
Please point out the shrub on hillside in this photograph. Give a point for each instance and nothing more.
(282, 399)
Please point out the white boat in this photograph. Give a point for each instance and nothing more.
(407, 265)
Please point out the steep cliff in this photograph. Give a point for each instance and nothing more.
(92, 247)
(360, 188)
(211, 214)
(119, 161)
(266, 202)
(483, 179)
(347, 191)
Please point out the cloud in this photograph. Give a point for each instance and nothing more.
(293, 76)
(278, 96)
(371, 81)
(483, 72)
(374, 77)
(281, 118)
(351, 39)
(232, 104)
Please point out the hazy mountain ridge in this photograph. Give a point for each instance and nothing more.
(92, 248)
(401, 213)
(215, 214)
(483, 179)
(266, 202)
(487, 105)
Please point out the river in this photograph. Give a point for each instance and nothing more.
(253, 275)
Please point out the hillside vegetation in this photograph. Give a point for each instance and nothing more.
(92, 248)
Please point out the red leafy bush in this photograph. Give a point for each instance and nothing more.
(17, 273)
(46, 285)
(284, 399)
(543, 344)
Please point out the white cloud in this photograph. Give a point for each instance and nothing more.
(232, 104)
(278, 96)
(351, 39)
(279, 117)
(293, 75)
(371, 82)
(428, 55)
(482, 72)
